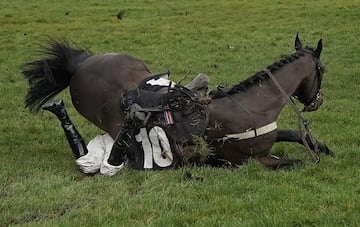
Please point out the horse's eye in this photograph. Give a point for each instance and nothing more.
(321, 69)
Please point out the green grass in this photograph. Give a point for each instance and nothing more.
(228, 40)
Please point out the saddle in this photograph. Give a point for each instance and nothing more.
(167, 117)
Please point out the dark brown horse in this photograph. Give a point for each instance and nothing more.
(97, 83)
(248, 128)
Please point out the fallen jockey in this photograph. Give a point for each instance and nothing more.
(161, 117)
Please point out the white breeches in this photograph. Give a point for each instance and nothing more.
(95, 160)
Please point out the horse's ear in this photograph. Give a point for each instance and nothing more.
(298, 44)
(318, 50)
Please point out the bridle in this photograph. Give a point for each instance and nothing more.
(302, 122)
(313, 101)
(310, 103)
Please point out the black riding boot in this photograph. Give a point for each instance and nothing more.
(119, 150)
(74, 138)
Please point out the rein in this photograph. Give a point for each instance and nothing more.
(301, 121)
(251, 132)
(246, 110)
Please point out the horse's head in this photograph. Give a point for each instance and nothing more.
(309, 92)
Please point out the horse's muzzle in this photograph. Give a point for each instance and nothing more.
(316, 103)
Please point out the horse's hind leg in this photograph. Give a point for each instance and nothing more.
(74, 138)
(290, 135)
(274, 162)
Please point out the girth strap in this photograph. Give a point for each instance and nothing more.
(251, 133)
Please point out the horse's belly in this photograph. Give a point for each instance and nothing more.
(239, 151)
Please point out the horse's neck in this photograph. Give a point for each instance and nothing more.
(262, 102)
(286, 80)
(290, 76)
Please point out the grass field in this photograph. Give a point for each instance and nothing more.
(229, 41)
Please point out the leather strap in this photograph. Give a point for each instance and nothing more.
(302, 121)
(251, 133)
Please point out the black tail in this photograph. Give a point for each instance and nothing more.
(49, 76)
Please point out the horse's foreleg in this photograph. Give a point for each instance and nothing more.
(290, 135)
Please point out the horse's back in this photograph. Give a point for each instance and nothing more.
(98, 84)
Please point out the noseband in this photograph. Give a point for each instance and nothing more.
(313, 101)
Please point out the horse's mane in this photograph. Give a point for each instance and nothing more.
(259, 76)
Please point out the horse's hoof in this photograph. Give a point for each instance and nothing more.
(330, 152)
(323, 148)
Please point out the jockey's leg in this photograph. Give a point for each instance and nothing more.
(75, 140)
(97, 147)
(118, 154)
